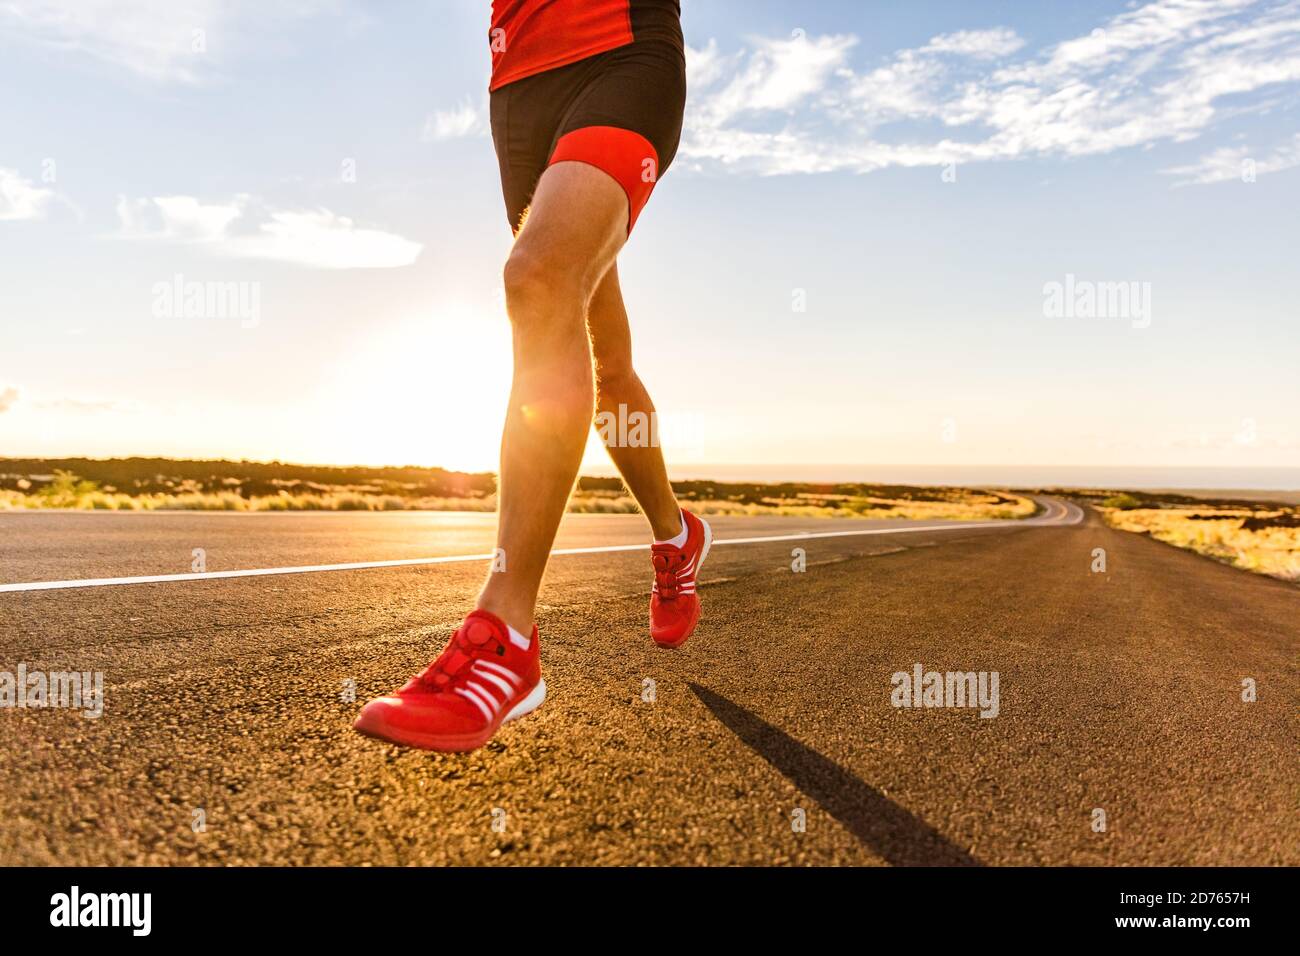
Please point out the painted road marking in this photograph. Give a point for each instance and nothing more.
(1050, 519)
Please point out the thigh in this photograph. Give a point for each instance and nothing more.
(575, 227)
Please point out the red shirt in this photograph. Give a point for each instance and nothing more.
(532, 36)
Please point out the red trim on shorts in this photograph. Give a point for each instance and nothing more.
(628, 157)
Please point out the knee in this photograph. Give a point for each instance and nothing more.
(523, 278)
(536, 282)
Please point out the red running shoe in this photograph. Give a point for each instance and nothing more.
(482, 679)
(674, 605)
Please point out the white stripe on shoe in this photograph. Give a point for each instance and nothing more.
(506, 689)
(489, 706)
(481, 692)
(495, 668)
(473, 698)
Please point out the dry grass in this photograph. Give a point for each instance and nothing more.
(1219, 534)
(954, 504)
(959, 505)
(973, 507)
(96, 500)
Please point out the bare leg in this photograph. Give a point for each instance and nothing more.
(577, 224)
(617, 384)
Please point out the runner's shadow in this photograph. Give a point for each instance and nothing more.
(882, 826)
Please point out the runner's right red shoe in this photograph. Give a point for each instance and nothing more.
(482, 679)
(674, 605)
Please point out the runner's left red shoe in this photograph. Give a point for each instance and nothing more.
(674, 605)
(482, 679)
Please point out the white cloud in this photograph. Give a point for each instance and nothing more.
(777, 75)
(159, 40)
(905, 87)
(706, 66)
(243, 228)
(457, 123)
(1236, 163)
(182, 218)
(8, 398)
(1160, 72)
(323, 240)
(20, 198)
(981, 44)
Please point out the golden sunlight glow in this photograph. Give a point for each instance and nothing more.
(430, 389)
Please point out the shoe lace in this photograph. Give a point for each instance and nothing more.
(453, 665)
(666, 565)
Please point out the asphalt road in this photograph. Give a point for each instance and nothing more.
(1119, 691)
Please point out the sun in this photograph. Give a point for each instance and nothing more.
(428, 389)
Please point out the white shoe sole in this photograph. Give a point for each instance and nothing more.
(528, 704)
(708, 543)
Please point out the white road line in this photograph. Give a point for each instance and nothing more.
(1050, 519)
(798, 536)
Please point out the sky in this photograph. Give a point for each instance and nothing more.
(936, 233)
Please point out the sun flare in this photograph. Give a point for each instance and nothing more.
(430, 389)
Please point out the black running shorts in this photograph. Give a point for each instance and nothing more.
(620, 111)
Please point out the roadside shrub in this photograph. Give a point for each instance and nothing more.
(1124, 502)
